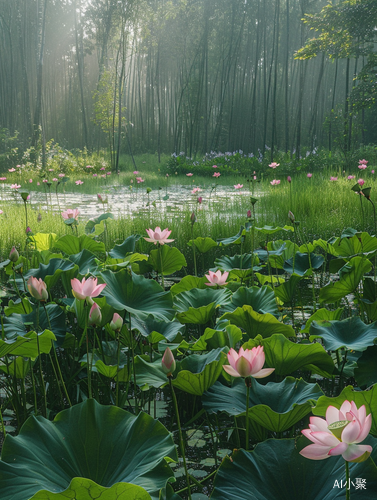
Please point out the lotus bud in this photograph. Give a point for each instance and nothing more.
(291, 217)
(289, 179)
(28, 231)
(193, 218)
(200, 199)
(14, 255)
(95, 316)
(116, 323)
(37, 288)
(249, 214)
(168, 362)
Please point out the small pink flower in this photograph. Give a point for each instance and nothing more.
(45, 180)
(216, 279)
(30, 180)
(50, 169)
(350, 177)
(18, 166)
(108, 173)
(363, 162)
(309, 175)
(89, 166)
(86, 288)
(200, 199)
(95, 175)
(37, 288)
(139, 180)
(274, 165)
(238, 186)
(215, 166)
(255, 177)
(289, 179)
(1, 212)
(372, 171)
(71, 214)
(339, 434)
(102, 168)
(135, 172)
(11, 169)
(55, 179)
(103, 176)
(38, 183)
(168, 363)
(158, 236)
(190, 174)
(3, 178)
(333, 178)
(15, 186)
(361, 182)
(61, 175)
(248, 214)
(275, 182)
(247, 363)
(195, 190)
(362, 166)
(79, 182)
(216, 174)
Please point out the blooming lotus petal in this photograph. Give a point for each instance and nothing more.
(258, 362)
(263, 373)
(339, 449)
(232, 357)
(243, 367)
(318, 424)
(229, 369)
(355, 451)
(315, 452)
(365, 429)
(332, 415)
(351, 432)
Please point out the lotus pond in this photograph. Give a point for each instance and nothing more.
(128, 374)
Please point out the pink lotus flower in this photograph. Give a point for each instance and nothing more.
(350, 177)
(95, 175)
(50, 169)
(214, 166)
(102, 168)
(248, 214)
(15, 186)
(289, 179)
(274, 165)
(37, 288)
(4, 178)
(189, 174)
(89, 166)
(71, 214)
(61, 175)
(363, 162)
(309, 175)
(86, 288)
(195, 190)
(275, 182)
(238, 186)
(333, 178)
(216, 174)
(45, 180)
(108, 173)
(168, 362)
(200, 199)
(95, 316)
(116, 323)
(38, 183)
(361, 182)
(372, 171)
(1, 212)
(247, 363)
(30, 180)
(339, 434)
(255, 177)
(11, 169)
(55, 179)
(158, 236)
(216, 279)
(362, 166)
(13, 255)
(79, 182)
(135, 172)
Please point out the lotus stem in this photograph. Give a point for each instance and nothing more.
(117, 377)
(181, 445)
(44, 410)
(34, 389)
(348, 489)
(248, 385)
(193, 249)
(362, 211)
(2, 424)
(88, 364)
(162, 270)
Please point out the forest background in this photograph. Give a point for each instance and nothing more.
(164, 76)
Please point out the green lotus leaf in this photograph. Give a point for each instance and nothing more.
(366, 371)
(233, 239)
(167, 260)
(236, 262)
(212, 339)
(168, 329)
(360, 243)
(287, 357)
(93, 225)
(325, 245)
(282, 251)
(286, 290)
(44, 241)
(137, 295)
(266, 473)
(203, 244)
(302, 263)
(367, 398)
(350, 333)
(273, 230)
(275, 406)
(102, 443)
(194, 374)
(265, 278)
(23, 306)
(86, 262)
(71, 244)
(51, 272)
(82, 309)
(128, 246)
(275, 248)
(188, 283)
(198, 306)
(27, 345)
(369, 308)
(54, 319)
(348, 282)
(17, 368)
(85, 489)
(322, 314)
(257, 324)
(261, 299)
(368, 303)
